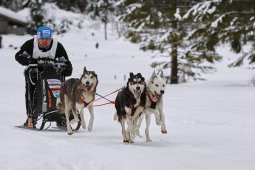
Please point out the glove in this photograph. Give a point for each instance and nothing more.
(68, 70)
(31, 60)
(24, 55)
(22, 58)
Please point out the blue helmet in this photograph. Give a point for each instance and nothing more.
(44, 32)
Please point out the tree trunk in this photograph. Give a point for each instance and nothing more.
(174, 53)
(174, 64)
(105, 30)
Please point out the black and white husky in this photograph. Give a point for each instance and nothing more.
(155, 88)
(77, 94)
(129, 104)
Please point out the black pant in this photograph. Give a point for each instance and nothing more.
(30, 91)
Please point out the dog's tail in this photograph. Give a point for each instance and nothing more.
(60, 106)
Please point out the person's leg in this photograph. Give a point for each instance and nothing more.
(27, 95)
(30, 122)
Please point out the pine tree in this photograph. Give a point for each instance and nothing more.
(159, 27)
(225, 21)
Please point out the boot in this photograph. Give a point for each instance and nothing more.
(30, 122)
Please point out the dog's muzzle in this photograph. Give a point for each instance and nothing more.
(138, 92)
(86, 87)
(158, 96)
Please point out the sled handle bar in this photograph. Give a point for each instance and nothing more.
(38, 65)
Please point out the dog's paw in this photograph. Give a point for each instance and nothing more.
(84, 126)
(148, 140)
(89, 128)
(164, 131)
(70, 132)
(130, 141)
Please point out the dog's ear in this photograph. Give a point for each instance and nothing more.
(143, 79)
(96, 78)
(161, 74)
(84, 69)
(93, 73)
(140, 76)
(131, 74)
(153, 75)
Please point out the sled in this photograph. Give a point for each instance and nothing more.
(49, 76)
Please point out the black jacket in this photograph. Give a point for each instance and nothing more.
(24, 55)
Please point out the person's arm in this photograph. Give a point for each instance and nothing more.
(26, 50)
(62, 56)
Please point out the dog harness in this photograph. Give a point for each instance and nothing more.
(85, 104)
(153, 100)
(133, 107)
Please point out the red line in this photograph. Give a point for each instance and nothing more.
(109, 94)
(112, 102)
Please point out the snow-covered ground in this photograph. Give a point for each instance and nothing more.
(210, 123)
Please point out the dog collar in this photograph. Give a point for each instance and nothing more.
(152, 97)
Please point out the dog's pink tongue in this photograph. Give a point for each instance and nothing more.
(138, 92)
(158, 95)
(82, 86)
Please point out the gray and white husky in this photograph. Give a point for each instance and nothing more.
(155, 88)
(77, 94)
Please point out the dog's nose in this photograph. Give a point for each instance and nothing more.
(137, 88)
(162, 91)
(87, 82)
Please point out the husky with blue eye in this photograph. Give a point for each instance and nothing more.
(154, 104)
(129, 104)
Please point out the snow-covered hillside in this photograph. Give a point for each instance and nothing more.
(210, 124)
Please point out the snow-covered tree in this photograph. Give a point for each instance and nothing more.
(104, 10)
(159, 27)
(225, 21)
(14, 5)
(36, 12)
(72, 5)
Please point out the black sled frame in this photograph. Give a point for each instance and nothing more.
(46, 76)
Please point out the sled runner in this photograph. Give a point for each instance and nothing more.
(46, 76)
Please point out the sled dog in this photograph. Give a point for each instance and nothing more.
(129, 104)
(77, 94)
(155, 88)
